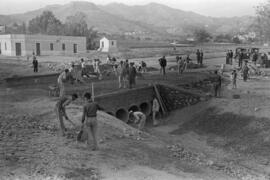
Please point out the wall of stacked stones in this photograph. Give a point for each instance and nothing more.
(175, 98)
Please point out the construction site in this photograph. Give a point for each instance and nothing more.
(198, 136)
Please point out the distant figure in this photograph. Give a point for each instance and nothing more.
(62, 78)
(84, 70)
(97, 68)
(245, 70)
(114, 65)
(108, 60)
(60, 109)
(155, 110)
(201, 57)
(227, 57)
(240, 59)
(144, 67)
(217, 85)
(35, 64)
(180, 64)
(222, 67)
(138, 118)
(89, 120)
(163, 64)
(198, 55)
(187, 61)
(234, 77)
(231, 57)
(132, 75)
(122, 74)
(255, 57)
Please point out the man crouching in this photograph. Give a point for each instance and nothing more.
(138, 118)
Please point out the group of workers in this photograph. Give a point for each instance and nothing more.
(89, 117)
(199, 55)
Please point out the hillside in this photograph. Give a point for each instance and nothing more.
(176, 21)
(145, 20)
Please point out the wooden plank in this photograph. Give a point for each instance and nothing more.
(162, 105)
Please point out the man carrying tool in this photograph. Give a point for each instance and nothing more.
(89, 119)
(60, 109)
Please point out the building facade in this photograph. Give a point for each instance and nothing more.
(107, 45)
(24, 45)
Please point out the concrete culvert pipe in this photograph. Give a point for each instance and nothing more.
(122, 114)
(146, 108)
(133, 108)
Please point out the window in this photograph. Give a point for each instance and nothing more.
(102, 44)
(0, 49)
(5, 46)
(112, 43)
(74, 48)
(63, 47)
(51, 46)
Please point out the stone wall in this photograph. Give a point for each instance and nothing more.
(175, 98)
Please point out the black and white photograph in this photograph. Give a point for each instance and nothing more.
(134, 90)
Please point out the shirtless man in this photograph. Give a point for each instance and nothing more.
(60, 109)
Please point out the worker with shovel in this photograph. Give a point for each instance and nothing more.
(60, 109)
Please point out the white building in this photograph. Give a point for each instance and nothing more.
(24, 44)
(107, 45)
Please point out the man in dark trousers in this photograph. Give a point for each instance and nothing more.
(201, 57)
(240, 61)
(132, 75)
(35, 64)
(89, 120)
(163, 64)
(217, 85)
(198, 54)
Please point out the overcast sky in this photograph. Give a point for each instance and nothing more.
(217, 8)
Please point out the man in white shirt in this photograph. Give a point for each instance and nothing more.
(138, 118)
(155, 110)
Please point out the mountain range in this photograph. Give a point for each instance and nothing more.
(138, 20)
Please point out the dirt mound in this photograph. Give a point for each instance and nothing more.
(245, 134)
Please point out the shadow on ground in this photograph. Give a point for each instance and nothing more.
(245, 134)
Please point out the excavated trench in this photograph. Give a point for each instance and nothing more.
(120, 103)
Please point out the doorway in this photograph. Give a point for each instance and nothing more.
(74, 48)
(38, 49)
(18, 49)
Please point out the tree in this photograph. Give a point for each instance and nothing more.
(236, 40)
(201, 35)
(46, 23)
(262, 22)
(16, 28)
(77, 26)
(223, 38)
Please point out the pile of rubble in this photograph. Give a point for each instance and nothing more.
(230, 168)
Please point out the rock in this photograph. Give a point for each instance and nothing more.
(256, 109)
